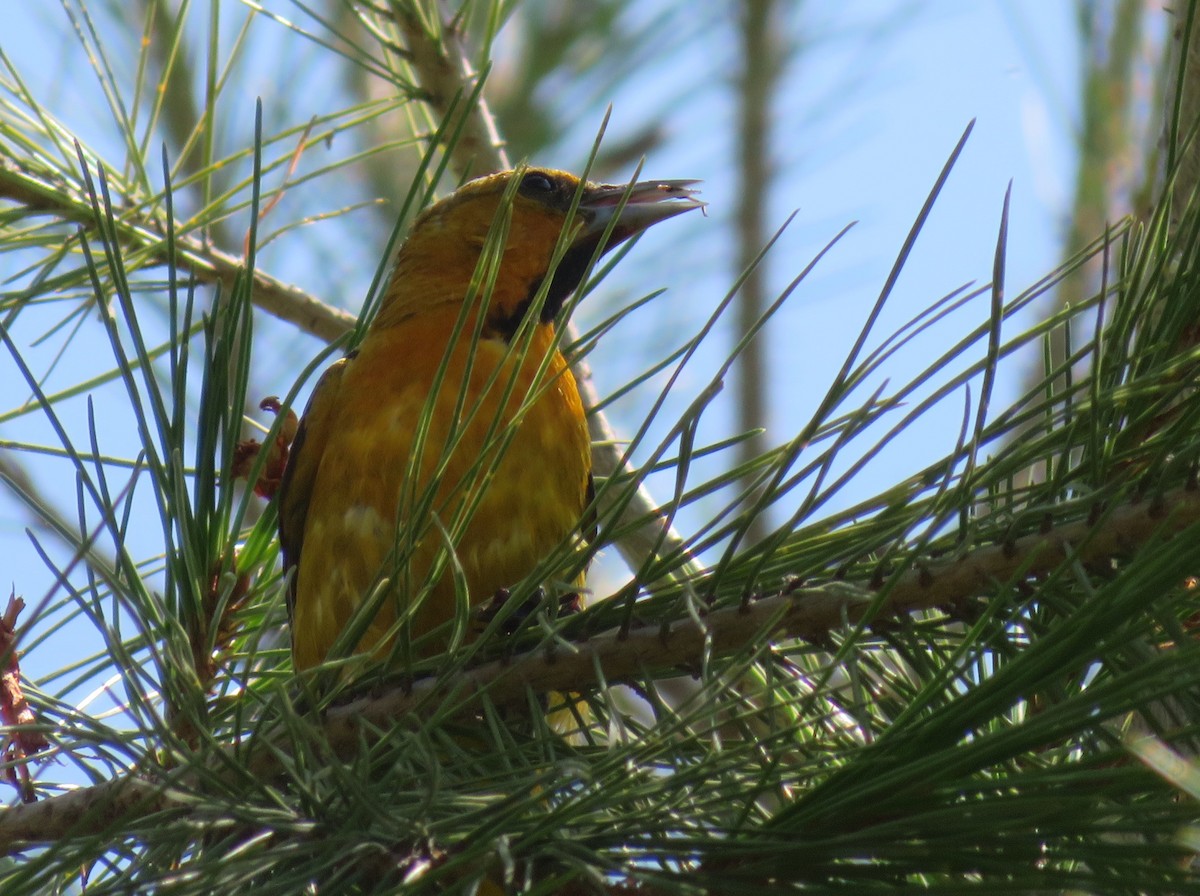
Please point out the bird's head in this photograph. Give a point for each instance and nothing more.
(437, 263)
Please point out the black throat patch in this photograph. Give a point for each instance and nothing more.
(567, 277)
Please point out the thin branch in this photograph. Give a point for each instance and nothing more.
(807, 613)
(43, 512)
(756, 86)
(88, 810)
(447, 79)
(1180, 128)
(209, 265)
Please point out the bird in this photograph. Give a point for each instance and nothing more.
(448, 454)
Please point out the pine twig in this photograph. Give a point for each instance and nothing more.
(757, 82)
(206, 263)
(807, 613)
(23, 739)
(446, 80)
(1184, 92)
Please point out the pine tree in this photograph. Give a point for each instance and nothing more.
(984, 678)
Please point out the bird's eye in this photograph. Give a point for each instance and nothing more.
(536, 183)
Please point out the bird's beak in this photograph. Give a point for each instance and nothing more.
(635, 207)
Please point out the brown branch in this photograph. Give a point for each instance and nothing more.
(23, 739)
(209, 265)
(1119, 532)
(1183, 58)
(648, 533)
(284, 301)
(447, 81)
(758, 30)
(80, 813)
(809, 613)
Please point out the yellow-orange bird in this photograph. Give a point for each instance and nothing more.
(417, 416)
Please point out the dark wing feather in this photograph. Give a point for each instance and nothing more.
(591, 522)
(304, 460)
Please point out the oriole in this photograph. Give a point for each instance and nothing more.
(435, 385)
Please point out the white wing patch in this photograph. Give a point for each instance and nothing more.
(362, 520)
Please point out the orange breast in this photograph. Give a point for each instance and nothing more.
(496, 469)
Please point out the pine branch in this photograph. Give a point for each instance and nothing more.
(88, 810)
(209, 265)
(1181, 134)
(447, 80)
(623, 656)
(756, 83)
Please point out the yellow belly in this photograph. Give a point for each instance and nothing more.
(499, 483)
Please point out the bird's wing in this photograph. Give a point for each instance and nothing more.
(295, 490)
(591, 521)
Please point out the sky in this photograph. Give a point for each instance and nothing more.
(864, 120)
